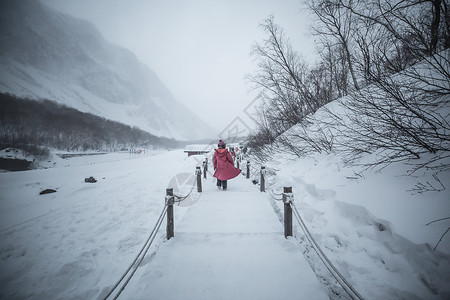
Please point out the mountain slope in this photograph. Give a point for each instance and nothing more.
(46, 54)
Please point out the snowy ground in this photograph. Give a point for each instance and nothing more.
(76, 243)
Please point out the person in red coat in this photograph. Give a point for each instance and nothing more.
(224, 166)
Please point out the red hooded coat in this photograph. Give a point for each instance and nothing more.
(224, 165)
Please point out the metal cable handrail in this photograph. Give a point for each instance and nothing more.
(352, 293)
(146, 247)
(272, 194)
(328, 264)
(181, 198)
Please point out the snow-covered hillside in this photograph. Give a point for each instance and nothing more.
(382, 224)
(46, 54)
(371, 225)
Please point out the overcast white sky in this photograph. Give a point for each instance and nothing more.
(200, 49)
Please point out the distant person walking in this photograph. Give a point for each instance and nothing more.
(224, 166)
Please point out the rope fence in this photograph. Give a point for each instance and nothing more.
(289, 208)
(138, 260)
(181, 198)
(275, 196)
(167, 211)
(325, 260)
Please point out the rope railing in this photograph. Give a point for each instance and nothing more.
(288, 199)
(262, 181)
(170, 219)
(181, 198)
(276, 197)
(139, 258)
(167, 209)
(352, 293)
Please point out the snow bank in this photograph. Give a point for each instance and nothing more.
(78, 241)
(370, 225)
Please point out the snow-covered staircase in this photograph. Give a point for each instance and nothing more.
(229, 245)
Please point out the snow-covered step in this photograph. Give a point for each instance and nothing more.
(229, 245)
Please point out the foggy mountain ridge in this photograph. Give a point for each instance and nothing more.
(45, 54)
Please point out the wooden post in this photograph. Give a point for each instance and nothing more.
(248, 169)
(287, 199)
(262, 182)
(198, 172)
(170, 224)
(206, 161)
(204, 169)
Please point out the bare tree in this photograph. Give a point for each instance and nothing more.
(398, 48)
(410, 16)
(335, 69)
(282, 81)
(336, 26)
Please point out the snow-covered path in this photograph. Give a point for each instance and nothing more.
(229, 245)
(76, 243)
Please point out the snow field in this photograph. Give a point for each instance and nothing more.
(77, 242)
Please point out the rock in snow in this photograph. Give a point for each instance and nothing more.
(90, 179)
(47, 191)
